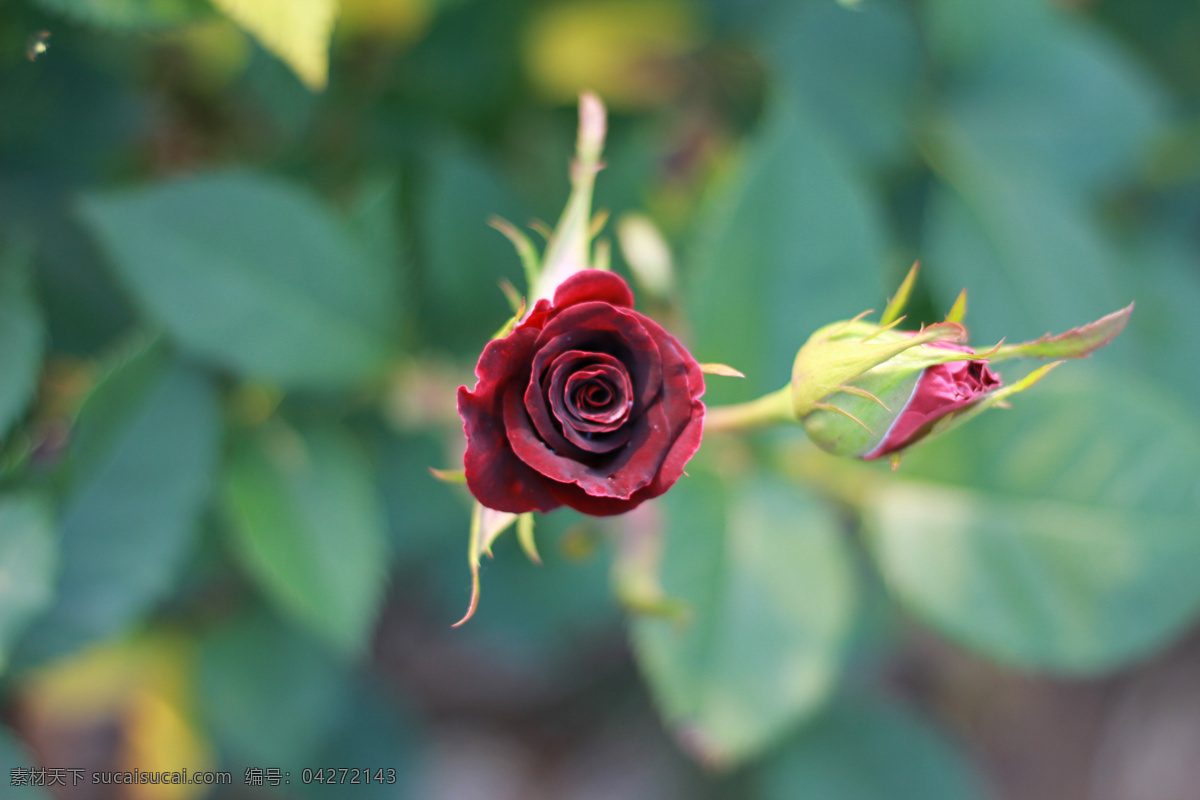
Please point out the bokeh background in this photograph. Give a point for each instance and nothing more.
(239, 284)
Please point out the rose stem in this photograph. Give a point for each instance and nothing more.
(767, 410)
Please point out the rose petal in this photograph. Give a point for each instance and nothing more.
(495, 475)
(598, 327)
(595, 473)
(593, 285)
(942, 389)
(597, 398)
(579, 365)
(538, 408)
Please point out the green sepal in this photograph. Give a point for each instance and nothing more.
(895, 306)
(486, 526)
(1076, 343)
(837, 354)
(567, 248)
(958, 311)
(528, 254)
(525, 537)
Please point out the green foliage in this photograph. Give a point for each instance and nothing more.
(1061, 549)
(770, 596)
(141, 469)
(867, 749)
(29, 559)
(794, 236)
(269, 692)
(12, 756)
(21, 340)
(857, 69)
(253, 274)
(308, 527)
(130, 14)
(465, 259)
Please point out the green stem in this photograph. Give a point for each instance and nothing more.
(769, 409)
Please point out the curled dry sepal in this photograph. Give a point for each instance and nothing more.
(868, 390)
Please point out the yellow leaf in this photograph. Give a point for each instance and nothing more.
(297, 31)
(145, 686)
(394, 20)
(627, 51)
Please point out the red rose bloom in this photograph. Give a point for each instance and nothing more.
(587, 403)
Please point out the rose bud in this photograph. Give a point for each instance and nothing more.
(585, 403)
(867, 390)
(896, 403)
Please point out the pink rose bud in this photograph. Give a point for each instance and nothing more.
(897, 403)
(866, 390)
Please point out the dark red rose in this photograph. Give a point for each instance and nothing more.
(587, 403)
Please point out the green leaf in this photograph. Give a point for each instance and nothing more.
(419, 508)
(1032, 258)
(141, 469)
(373, 730)
(868, 750)
(28, 565)
(532, 616)
(856, 69)
(1078, 342)
(268, 691)
(297, 31)
(1059, 535)
(797, 238)
(1045, 92)
(252, 273)
(771, 596)
(464, 259)
(22, 340)
(12, 757)
(309, 528)
(130, 14)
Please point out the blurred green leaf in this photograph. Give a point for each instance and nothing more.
(374, 222)
(308, 526)
(141, 468)
(13, 756)
(868, 750)
(130, 14)
(252, 273)
(961, 31)
(771, 595)
(797, 238)
(1162, 276)
(297, 31)
(855, 69)
(269, 693)
(371, 734)
(533, 616)
(86, 309)
(1059, 535)
(28, 564)
(1030, 256)
(425, 515)
(1070, 107)
(464, 259)
(22, 337)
